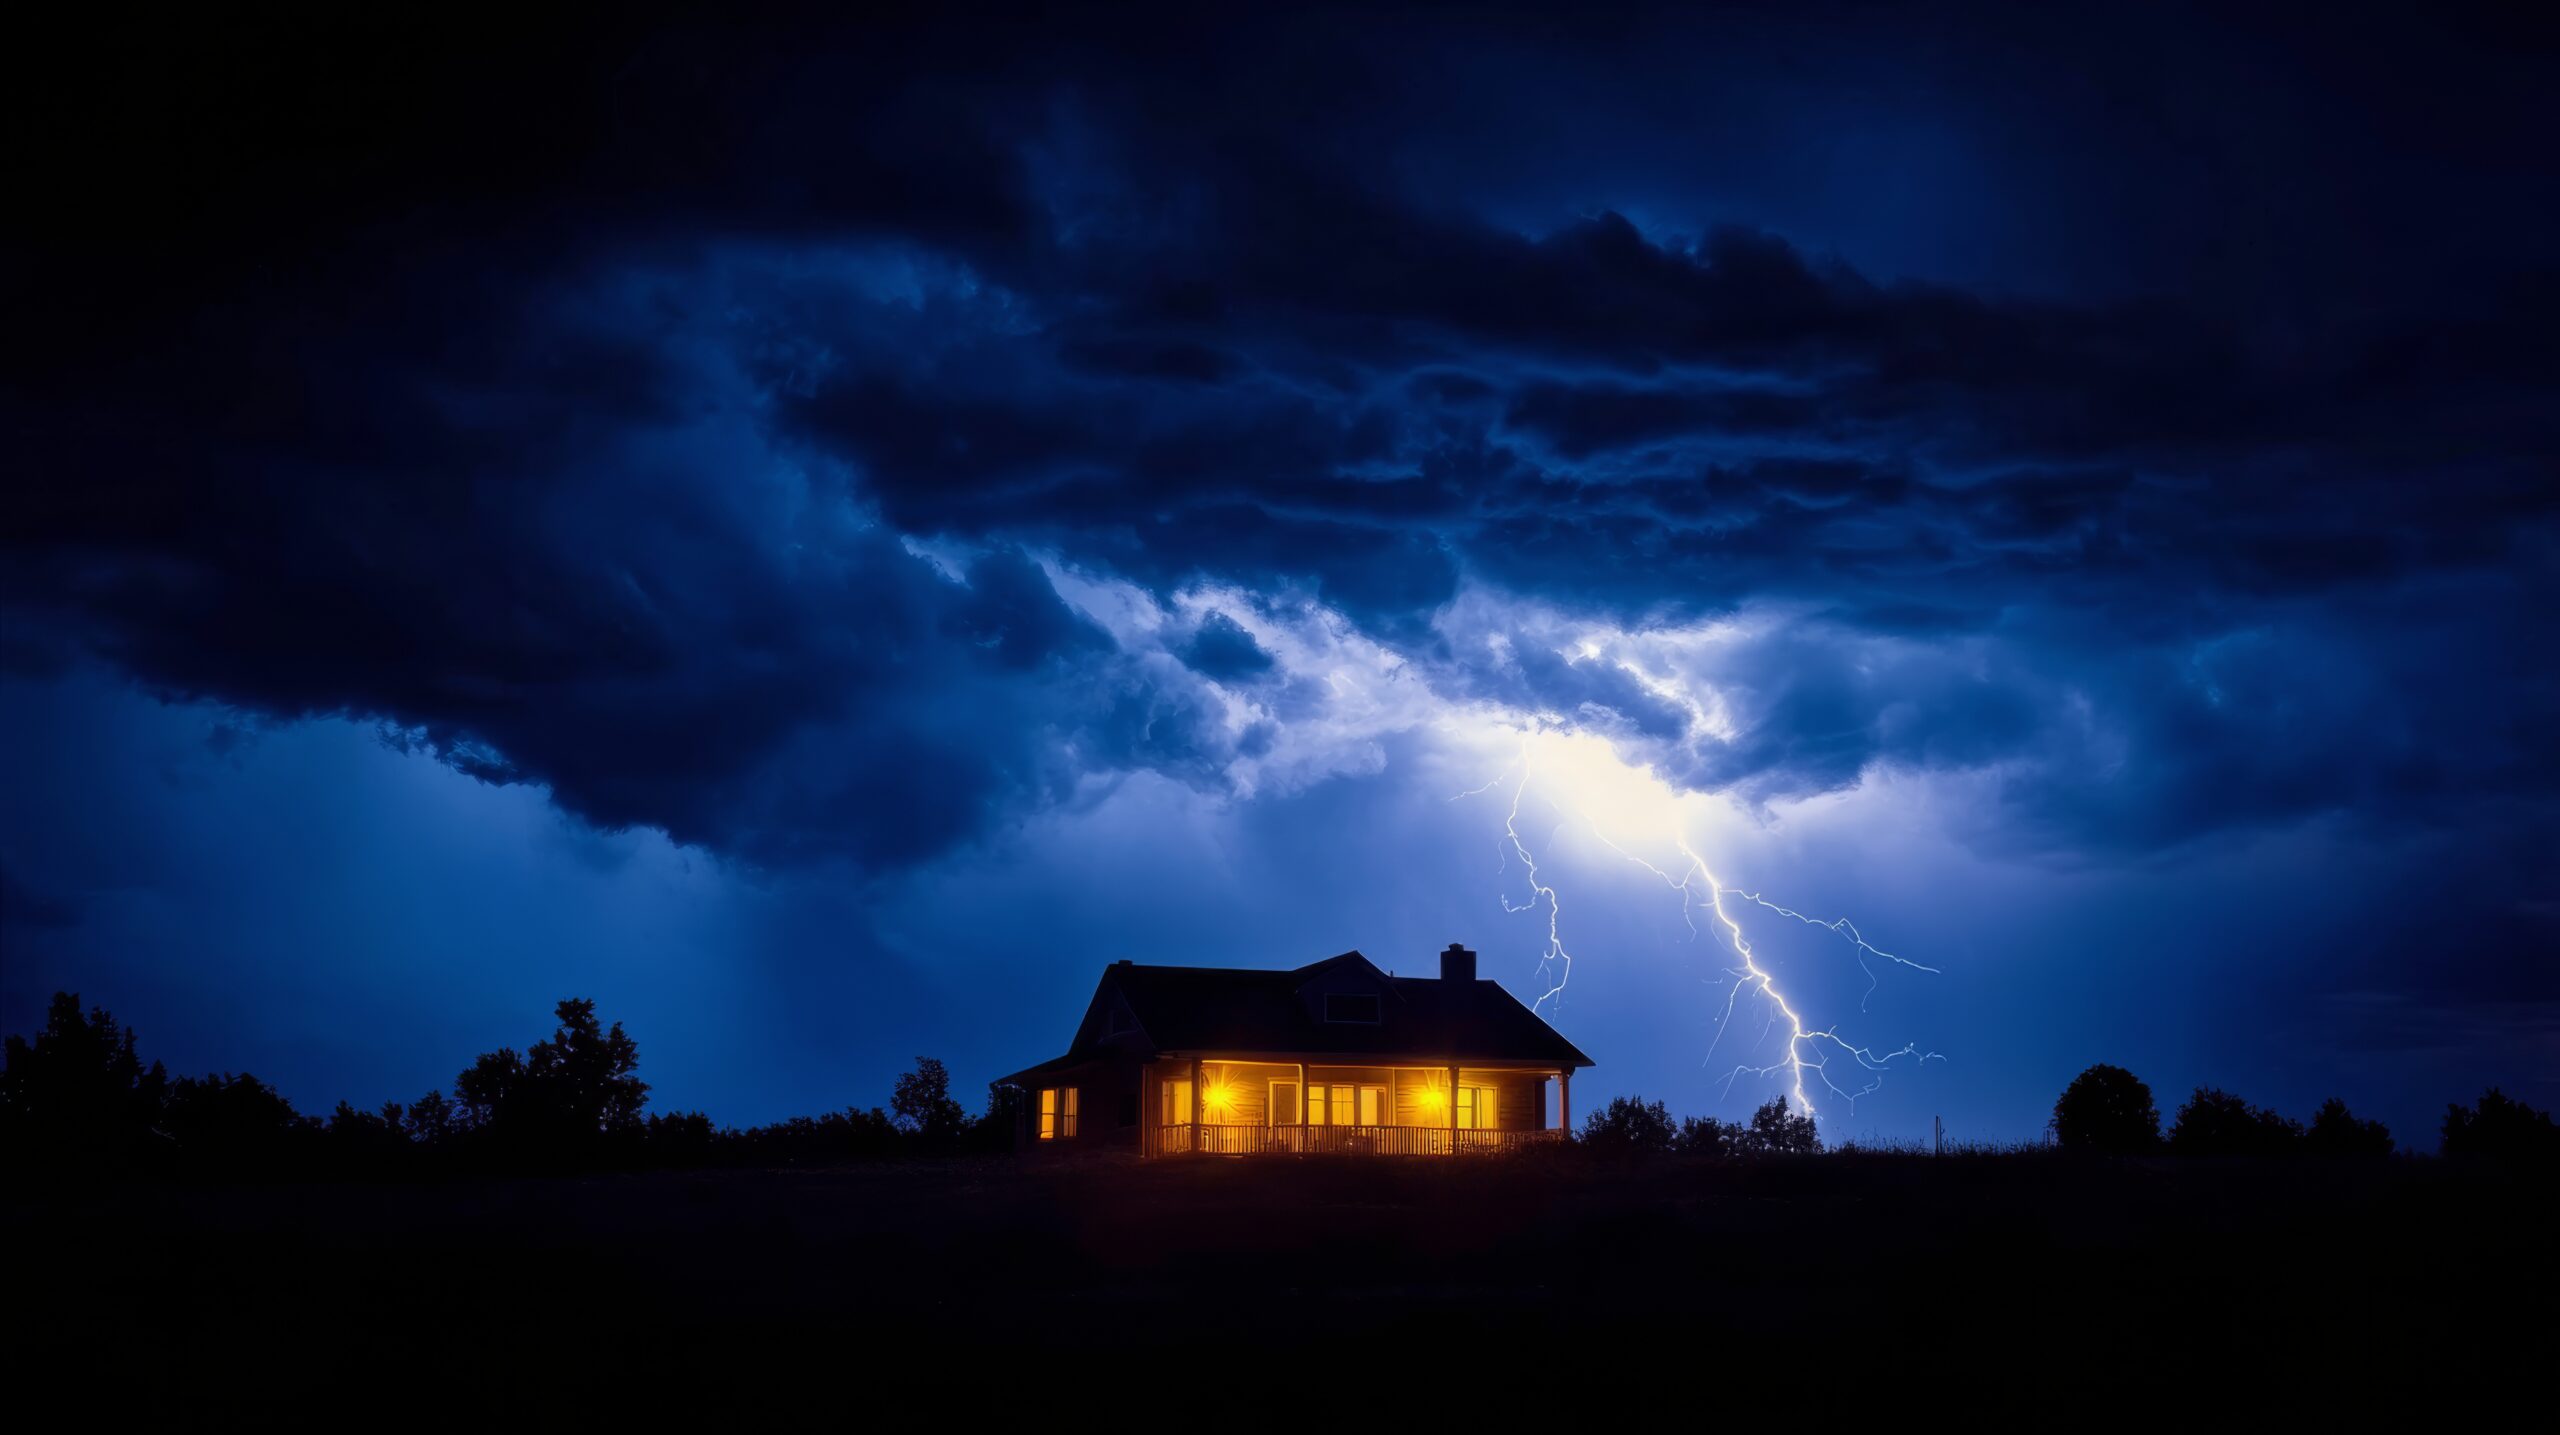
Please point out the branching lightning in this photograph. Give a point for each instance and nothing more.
(1808, 1048)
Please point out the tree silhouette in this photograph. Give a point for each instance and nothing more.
(368, 1139)
(2500, 1128)
(2107, 1109)
(922, 1104)
(1777, 1131)
(79, 1091)
(430, 1123)
(77, 1094)
(563, 1100)
(486, 1092)
(2336, 1131)
(2217, 1123)
(584, 1073)
(237, 1122)
(681, 1138)
(993, 1130)
(1628, 1126)
(1706, 1136)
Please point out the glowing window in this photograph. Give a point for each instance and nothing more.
(1337, 1105)
(1048, 1113)
(1067, 1117)
(1360, 1007)
(1476, 1111)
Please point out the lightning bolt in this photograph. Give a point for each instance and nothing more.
(1809, 1049)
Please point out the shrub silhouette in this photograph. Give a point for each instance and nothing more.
(2336, 1131)
(1777, 1131)
(854, 1134)
(1628, 1126)
(2217, 1123)
(2106, 1109)
(2500, 1128)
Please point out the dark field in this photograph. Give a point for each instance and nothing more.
(2298, 1279)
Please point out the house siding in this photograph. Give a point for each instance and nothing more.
(1520, 1100)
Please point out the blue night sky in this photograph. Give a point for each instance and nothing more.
(820, 536)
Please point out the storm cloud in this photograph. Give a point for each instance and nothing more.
(695, 423)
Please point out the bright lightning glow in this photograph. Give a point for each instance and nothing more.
(1626, 806)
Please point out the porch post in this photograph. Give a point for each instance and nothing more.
(1453, 1105)
(1199, 1098)
(1564, 1102)
(1302, 1106)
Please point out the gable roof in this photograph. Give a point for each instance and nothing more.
(1244, 1010)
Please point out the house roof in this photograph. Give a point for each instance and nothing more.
(1244, 1010)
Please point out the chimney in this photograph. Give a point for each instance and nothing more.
(1457, 964)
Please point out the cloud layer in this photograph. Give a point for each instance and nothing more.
(740, 434)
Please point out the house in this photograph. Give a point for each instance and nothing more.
(1332, 1056)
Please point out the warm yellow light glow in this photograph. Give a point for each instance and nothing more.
(1433, 1098)
(1220, 1099)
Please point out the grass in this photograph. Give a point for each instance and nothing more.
(1876, 1264)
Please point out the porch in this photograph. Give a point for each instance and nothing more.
(1240, 1106)
(1217, 1140)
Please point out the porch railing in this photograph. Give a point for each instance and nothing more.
(1340, 1140)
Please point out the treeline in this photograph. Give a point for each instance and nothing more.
(78, 1096)
(2108, 1109)
(1632, 1127)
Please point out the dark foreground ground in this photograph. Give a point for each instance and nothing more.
(1252, 1284)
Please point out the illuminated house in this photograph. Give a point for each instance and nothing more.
(1333, 1056)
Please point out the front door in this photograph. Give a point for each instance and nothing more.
(1373, 1106)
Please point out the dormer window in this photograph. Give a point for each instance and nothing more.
(1354, 1007)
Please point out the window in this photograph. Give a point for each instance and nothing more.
(1284, 1103)
(1476, 1111)
(1334, 1105)
(1057, 1113)
(1176, 1096)
(1359, 1007)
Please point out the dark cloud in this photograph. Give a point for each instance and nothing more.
(1221, 649)
(569, 404)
